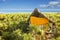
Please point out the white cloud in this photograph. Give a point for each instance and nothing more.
(17, 9)
(51, 4)
(54, 3)
(43, 5)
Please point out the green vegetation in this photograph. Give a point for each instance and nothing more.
(14, 26)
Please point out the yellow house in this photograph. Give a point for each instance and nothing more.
(40, 20)
(37, 19)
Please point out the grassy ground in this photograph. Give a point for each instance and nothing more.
(13, 26)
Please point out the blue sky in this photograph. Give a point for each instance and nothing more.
(29, 5)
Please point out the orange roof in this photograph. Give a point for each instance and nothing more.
(38, 21)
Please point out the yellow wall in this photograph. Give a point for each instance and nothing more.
(38, 21)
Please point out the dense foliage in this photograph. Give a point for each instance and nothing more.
(15, 26)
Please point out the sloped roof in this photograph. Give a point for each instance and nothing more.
(36, 13)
